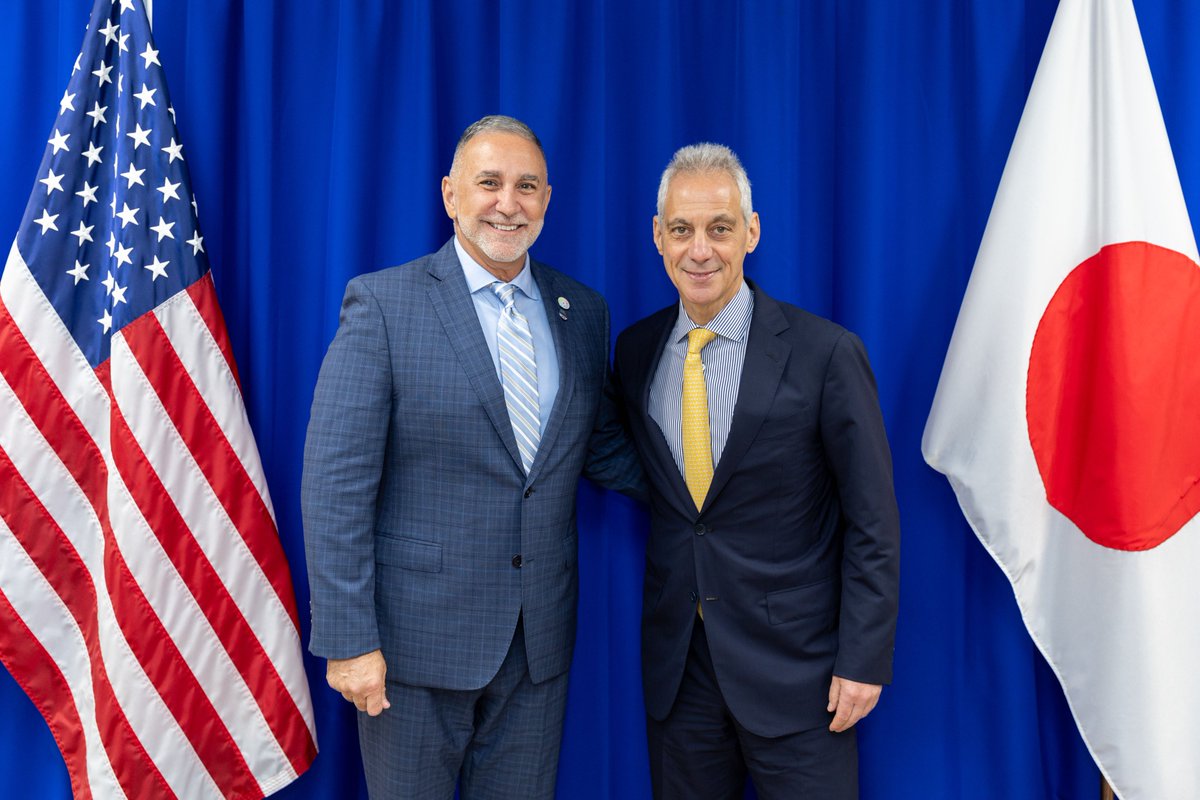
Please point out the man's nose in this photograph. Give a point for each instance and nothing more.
(506, 202)
(700, 249)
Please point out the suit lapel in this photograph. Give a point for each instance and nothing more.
(646, 366)
(453, 304)
(564, 345)
(766, 356)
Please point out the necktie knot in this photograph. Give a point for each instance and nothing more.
(698, 339)
(505, 291)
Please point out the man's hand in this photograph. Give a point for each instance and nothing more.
(850, 701)
(361, 681)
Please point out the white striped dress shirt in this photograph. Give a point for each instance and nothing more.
(722, 359)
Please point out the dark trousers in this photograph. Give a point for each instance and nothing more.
(700, 752)
(501, 741)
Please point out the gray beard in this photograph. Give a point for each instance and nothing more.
(503, 253)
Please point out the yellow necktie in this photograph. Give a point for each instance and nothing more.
(697, 441)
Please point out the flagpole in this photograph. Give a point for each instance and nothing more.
(1106, 792)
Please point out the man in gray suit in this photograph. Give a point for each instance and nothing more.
(460, 401)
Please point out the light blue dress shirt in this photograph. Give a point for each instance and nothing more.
(722, 359)
(528, 300)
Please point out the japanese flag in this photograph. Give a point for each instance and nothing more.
(1067, 417)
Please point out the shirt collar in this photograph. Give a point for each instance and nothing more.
(479, 278)
(731, 322)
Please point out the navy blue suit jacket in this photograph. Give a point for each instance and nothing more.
(795, 553)
(415, 503)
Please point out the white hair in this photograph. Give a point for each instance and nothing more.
(707, 158)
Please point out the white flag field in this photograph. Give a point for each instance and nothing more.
(1067, 417)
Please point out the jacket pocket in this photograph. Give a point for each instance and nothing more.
(811, 601)
(414, 554)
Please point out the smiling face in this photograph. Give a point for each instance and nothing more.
(703, 239)
(497, 195)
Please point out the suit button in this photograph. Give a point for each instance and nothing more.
(694, 597)
(528, 492)
(517, 562)
(701, 529)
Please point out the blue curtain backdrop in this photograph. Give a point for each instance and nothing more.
(874, 131)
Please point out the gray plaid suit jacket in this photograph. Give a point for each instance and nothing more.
(415, 504)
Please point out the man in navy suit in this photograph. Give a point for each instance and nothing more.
(771, 583)
(460, 401)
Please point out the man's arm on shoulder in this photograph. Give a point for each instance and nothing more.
(343, 463)
(856, 446)
(612, 460)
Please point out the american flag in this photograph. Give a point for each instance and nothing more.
(145, 603)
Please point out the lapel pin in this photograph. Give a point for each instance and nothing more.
(562, 315)
(564, 303)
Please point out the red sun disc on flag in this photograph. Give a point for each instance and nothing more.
(1113, 395)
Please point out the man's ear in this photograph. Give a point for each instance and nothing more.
(753, 232)
(448, 198)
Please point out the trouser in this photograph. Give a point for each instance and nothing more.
(700, 752)
(500, 741)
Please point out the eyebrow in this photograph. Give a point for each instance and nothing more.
(493, 173)
(728, 219)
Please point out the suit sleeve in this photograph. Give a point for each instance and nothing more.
(343, 462)
(612, 460)
(857, 450)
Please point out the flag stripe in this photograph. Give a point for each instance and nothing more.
(49, 410)
(172, 677)
(52, 554)
(258, 676)
(204, 295)
(83, 509)
(38, 671)
(208, 618)
(51, 342)
(169, 661)
(253, 602)
(195, 501)
(208, 445)
(200, 353)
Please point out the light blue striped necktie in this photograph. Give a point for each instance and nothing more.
(518, 373)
